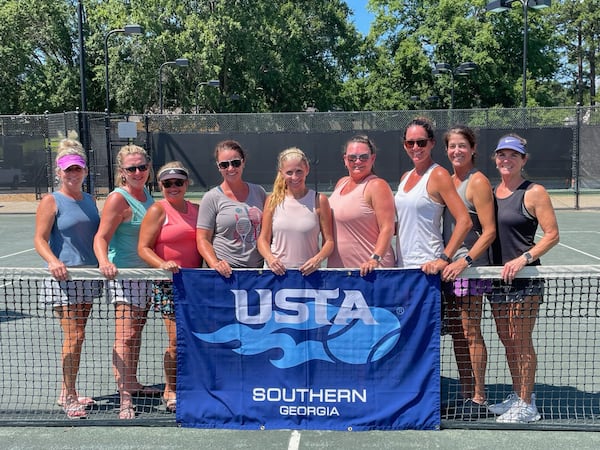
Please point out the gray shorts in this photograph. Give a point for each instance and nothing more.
(136, 293)
(72, 292)
(516, 291)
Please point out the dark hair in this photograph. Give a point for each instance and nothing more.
(465, 132)
(421, 122)
(361, 139)
(229, 144)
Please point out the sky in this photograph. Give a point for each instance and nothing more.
(361, 18)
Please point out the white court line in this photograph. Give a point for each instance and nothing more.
(294, 443)
(18, 253)
(579, 251)
(573, 248)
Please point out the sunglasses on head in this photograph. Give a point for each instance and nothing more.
(225, 164)
(132, 169)
(363, 158)
(169, 183)
(420, 143)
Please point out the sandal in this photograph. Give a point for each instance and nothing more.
(75, 410)
(85, 401)
(127, 412)
(170, 404)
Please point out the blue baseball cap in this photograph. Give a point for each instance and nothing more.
(511, 143)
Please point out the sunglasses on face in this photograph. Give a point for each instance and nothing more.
(225, 164)
(420, 143)
(169, 183)
(132, 169)
(363, 158)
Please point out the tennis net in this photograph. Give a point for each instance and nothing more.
(567, 385)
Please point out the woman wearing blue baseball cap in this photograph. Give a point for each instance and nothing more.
(521, 206)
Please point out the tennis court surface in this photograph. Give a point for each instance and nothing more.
(567, 382)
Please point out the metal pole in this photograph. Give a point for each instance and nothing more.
(81, 56)
(577, 155)
(109, 162)
(452, 89)
(83, 123)
(160, 95)
(524, 94)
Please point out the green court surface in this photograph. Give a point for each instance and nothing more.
(136, 438)
(579, 240)
(580, 245)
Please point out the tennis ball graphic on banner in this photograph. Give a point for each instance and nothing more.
(360, 343)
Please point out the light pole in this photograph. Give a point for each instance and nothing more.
(127, 30)
(505, 5)
(181, 62)
(211, 83)
(463, 69)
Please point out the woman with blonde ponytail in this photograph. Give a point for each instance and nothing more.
(294, 218)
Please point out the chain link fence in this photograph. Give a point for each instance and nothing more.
(561, 143)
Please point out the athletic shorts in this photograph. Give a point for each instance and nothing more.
(131, 292)
(162, 295)
(515, 291)
(464, 287)
(71, 292)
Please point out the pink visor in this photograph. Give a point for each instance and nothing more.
(64, 162)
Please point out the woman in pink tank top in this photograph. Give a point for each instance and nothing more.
(363, 212)
(168, 241)
(294, 218)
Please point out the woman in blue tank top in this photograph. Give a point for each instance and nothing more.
(65, 225)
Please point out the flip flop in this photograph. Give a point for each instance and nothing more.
(85, 401)
(75, 410)
(170, 405)
(127, 412)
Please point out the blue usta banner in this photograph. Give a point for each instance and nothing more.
(329, 351)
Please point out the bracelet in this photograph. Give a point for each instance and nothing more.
(446, 258)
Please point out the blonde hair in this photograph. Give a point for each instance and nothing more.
(125, 151)
(69, 146)
(279, 186)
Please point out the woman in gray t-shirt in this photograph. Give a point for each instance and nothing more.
(230, 215)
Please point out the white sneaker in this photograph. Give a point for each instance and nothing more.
(501, 408)
(520, 412)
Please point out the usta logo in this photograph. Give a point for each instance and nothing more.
(292, 310)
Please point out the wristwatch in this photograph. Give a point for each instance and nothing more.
(376, 257)
(469, 260)
(446, 258)
(528, 257)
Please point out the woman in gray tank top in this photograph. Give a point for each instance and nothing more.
(463, 298)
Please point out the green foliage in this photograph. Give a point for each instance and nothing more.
(284, 55)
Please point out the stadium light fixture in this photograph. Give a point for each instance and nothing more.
(181, 62)
(505, 5)
(211, 83)
(462, 69)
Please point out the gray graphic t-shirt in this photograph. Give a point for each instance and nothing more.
(235, 225)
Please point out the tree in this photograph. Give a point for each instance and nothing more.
(580, 38)
(39, 69)
(268, 55)
(413, 35)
